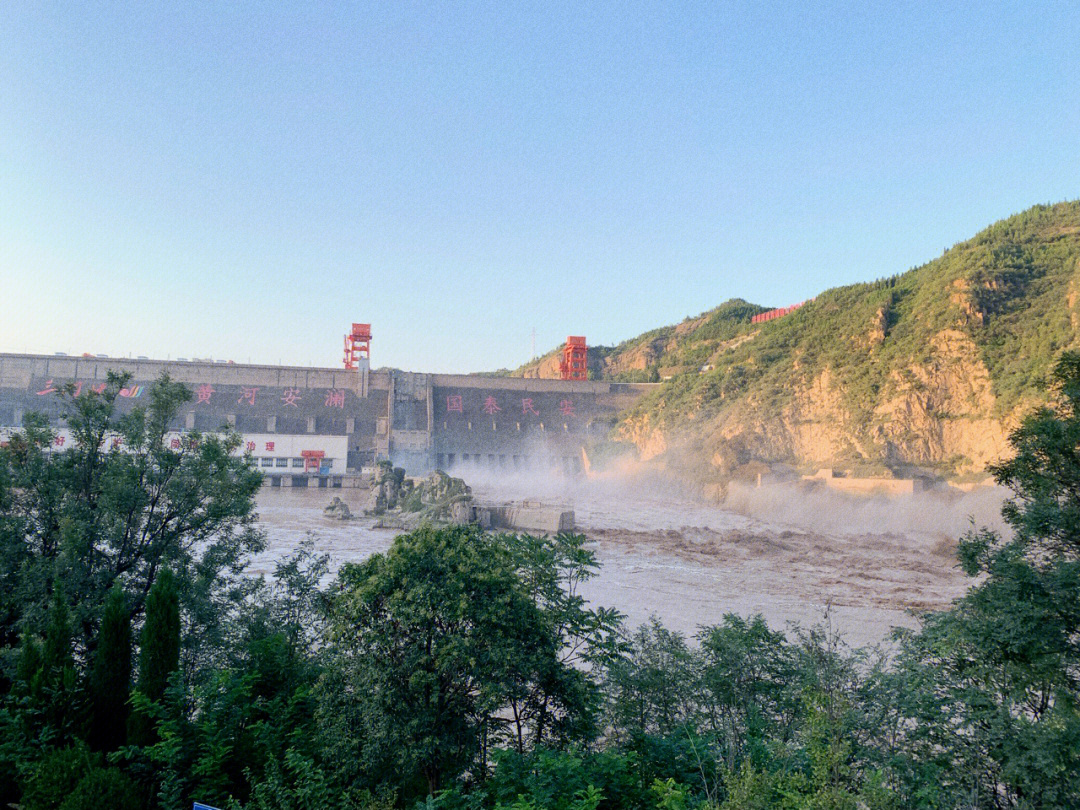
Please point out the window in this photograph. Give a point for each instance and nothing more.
(281, 462)
(298, 462)
(266, 462)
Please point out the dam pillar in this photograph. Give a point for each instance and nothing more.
(410, 420)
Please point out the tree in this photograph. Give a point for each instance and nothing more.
(1044, 475)
(990, 689)
(561, 702)
(58, 676)
(110, 675)
(750, 682)
(85, 535)
(245, 728)
(653, 687)
(121, 501)
(104, 787)
(159, 648)
(434, 638)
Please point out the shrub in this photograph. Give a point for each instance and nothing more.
(105, 787)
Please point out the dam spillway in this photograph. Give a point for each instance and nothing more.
(345, 418)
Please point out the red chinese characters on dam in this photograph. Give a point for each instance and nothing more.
(455, 403)
(204, 394)
(77, 386)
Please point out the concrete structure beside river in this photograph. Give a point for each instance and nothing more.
(299, 423)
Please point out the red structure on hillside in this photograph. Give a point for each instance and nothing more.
(358, 344)
(773, 314)
(575, 359)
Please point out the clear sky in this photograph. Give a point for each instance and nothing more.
(243, 180)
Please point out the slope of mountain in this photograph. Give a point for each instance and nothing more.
(930, 368)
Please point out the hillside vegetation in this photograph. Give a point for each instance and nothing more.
(931, 367)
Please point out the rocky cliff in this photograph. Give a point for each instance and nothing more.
(930, 368)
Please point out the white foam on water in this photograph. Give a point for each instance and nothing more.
(781, 551)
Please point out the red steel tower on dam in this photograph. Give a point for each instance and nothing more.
(358, 345)
(305, 426)
(575, 359)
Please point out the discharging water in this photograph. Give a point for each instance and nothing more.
(782, 552)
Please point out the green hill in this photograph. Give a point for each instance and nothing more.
(930, 368)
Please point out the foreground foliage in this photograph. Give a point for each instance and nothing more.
(139, 669)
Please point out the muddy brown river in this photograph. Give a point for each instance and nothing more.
(791, 555)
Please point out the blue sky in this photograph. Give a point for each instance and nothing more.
(244, 180)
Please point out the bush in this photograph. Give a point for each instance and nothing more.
(56, 776)
(105, 787)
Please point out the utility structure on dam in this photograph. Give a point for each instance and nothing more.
(319, 424)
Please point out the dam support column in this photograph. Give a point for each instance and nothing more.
(410, 404)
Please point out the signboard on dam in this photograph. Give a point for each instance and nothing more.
(419, 421)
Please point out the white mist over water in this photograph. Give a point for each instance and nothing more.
(784, 551)
(639, 499)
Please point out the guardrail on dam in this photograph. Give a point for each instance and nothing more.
(349, 417)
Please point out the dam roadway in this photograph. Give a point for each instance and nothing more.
(342, 419)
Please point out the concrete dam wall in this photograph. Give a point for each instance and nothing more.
(350, 417)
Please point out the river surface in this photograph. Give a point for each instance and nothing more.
(865, 565)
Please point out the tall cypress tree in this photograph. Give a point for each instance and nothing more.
(58, 668)
(28, 669)
(159, 649)
(110, 676)
(57, 654)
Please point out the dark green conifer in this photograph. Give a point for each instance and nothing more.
(58, 657)
(110, 677)
(159, 648)
(28, 669)
(58, 669)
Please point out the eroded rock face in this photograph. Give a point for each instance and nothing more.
(649, 440)
(401, 503)
(389, 487)
(945, 408)
(939, 412)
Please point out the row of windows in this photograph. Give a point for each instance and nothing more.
(297, 463)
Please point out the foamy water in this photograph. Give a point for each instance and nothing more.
(781, 552)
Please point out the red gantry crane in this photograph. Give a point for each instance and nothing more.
(575, 360)
(358, 344)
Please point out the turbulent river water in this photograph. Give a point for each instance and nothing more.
(793, 555)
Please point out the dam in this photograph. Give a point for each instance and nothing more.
(325, 423)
